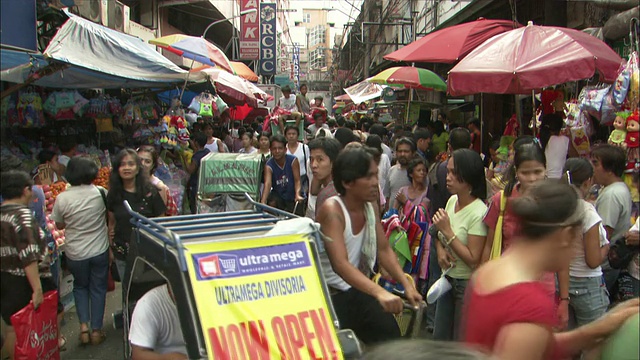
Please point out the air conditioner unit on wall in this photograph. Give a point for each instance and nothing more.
(119, 15)
(94, 10)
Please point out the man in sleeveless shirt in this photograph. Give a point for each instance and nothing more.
(354, 240)
(282, 186)
(288, 103)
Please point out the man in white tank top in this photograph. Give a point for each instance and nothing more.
(355, 240)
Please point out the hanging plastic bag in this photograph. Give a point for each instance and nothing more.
(633, 95)
(206, 105)
(621, 86)
(591, 98)
(194, 105)
(37, 330)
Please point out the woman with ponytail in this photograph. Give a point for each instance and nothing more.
(588, 298)
(528, 167)
(507, 310)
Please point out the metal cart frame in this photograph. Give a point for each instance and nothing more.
(157, 256)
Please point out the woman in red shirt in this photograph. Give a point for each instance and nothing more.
(508, 311)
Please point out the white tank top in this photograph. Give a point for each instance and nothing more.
(213, 147)
(353, 244)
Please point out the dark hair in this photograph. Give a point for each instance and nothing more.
(256, 125)
(115, 181)
(330, 146)
(278, 138)
(406, 141)
(340, 120)
(459, 138)
(350, 124)
(423, 350)
(475, 122)
(577, 171)
(413, 163)
(444, 116)
(303, 85)
(378, 129)
(545, 207)
(266, 134)
(421, 134)
(374, 141)
(81, 171)
(377, 154)
(438, 127)
(612, 158)
(208, 124)
(154, 155)
(468, 168)
(13, 182)
(66, 146)
(551, 124)
(524, 151)
(332, 122)
(495, 144)
(291, 127)
(45, 155)
(350, 165)
(242, 131)
(200, 139)
(345, 136)
(236, 124)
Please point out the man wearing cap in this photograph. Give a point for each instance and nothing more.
(288, 103)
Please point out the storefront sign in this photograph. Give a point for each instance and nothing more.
(261, 302)
(296, 64)
(268, 39)
(249, 31)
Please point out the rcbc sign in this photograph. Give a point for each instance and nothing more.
(249, 31)
(268, 44)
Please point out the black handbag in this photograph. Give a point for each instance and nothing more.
(621, 254)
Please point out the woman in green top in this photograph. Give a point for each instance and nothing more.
(440, 138)
(462, 235)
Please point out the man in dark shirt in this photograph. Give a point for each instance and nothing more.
(199, 141)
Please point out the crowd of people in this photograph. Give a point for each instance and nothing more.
(533, 261)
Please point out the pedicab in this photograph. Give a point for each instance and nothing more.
(247, 284)
(224, 178)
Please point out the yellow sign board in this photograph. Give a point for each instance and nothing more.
(261, 299)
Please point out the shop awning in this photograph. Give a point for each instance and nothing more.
(97, 57)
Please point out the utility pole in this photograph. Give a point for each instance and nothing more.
(367, 46)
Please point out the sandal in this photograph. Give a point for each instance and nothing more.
(98, 337)
(62, 343)
(85, 337)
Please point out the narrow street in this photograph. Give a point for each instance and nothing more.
(111, 349)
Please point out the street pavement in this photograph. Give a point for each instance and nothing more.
(111, 349)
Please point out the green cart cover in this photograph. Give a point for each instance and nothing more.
(227, 173)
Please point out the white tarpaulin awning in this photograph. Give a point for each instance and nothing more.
(364, 91)
(98, 57)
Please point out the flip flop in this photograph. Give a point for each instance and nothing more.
(62, 343)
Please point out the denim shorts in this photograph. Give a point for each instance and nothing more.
(589, 299)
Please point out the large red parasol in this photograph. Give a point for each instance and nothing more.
(451, 44)
(531, 58)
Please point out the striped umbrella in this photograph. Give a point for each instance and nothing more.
(409, 77)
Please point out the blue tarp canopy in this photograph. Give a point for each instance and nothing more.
(96, 57)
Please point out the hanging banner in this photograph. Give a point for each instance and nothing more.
(268, 39)
(296, 64)
(261, 299)
(249, 31)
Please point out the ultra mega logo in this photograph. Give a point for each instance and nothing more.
(216, 265)
(244, 262)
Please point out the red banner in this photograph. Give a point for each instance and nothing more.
(250, 31)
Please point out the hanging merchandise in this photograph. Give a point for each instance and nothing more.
(115, 107)
(98, 107)
(512, 127)
(621, 86)
(65, 105)
(9, 112)
(619, 133)
(598, 102)
(632, 141)
(208, 105)
(29, 109)
(633, 95)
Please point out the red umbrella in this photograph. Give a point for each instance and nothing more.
(530, 58)
(451, 44)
